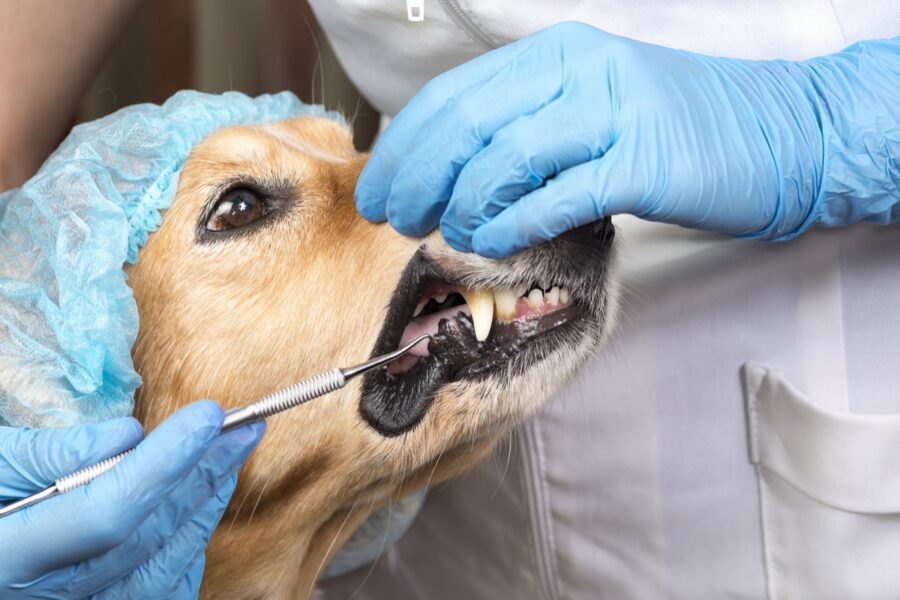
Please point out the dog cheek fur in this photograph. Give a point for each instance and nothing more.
(233, 321)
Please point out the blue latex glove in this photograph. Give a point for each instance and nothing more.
(573, 124)
(140, 530)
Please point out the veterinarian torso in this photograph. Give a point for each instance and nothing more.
(740, 435)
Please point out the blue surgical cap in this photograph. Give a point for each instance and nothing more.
(68, 319)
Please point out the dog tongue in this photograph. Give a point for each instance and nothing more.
(426, 324)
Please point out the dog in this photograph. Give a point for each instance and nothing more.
(262, 273)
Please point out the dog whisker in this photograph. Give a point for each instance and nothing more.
(258, 499)
(377, 555)
(509, 447)
(436, 463)
(334, 540)
(240, 506)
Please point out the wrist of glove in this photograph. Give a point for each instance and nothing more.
(600, 125)
(855, 98)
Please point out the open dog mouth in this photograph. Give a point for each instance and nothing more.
(506, 315)
(475, 332)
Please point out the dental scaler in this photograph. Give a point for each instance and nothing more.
(280, 401)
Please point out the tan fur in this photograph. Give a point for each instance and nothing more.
(235, 320)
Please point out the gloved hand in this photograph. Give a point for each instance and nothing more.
(140, 530)
(573, 124)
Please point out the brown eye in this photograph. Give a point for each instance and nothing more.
(237, 208)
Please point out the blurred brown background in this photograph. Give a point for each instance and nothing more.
(252, 46)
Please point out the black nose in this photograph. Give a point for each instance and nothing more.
(598, 234)
(603, 231)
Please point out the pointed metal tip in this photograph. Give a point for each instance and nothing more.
(380, 361)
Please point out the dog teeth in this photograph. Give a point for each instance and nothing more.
(535, 298)
(485, 304)
(505, 303)
(553, 296)
(481, 305)
(419, 307)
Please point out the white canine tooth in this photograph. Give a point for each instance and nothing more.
(419, 307)
(535, 298)
(553, 296)
(505, 303)
(440, 298)
(564, 295)
(520, 290)
(481, 305)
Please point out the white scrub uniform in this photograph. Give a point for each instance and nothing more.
(740, 436)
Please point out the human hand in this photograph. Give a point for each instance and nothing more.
(138, 531)
(573, 124)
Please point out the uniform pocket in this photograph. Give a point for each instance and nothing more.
(829, 486)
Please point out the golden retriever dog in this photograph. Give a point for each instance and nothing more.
(263, 273)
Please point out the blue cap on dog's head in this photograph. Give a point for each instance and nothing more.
(67, 317)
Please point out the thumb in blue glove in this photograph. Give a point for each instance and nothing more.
(140, 530)
(573, 124)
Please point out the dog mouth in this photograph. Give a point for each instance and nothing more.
(476, 332)
(506, 316)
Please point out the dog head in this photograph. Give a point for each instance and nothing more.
(263, 273)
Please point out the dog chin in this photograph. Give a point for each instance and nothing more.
(502, 403)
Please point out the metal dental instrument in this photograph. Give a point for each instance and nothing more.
(274, 403)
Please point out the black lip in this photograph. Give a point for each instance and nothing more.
(393, 406)
(465, 358)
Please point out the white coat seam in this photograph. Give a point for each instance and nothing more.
(550, 553)
(754, 433)
(753, 376)
(751, 382)
(767, 534)
(526, 486)
(464, 22)
(837, 21)
(544, 551)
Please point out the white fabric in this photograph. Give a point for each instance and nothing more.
(830, 493)
(638, 480)
(390, 58)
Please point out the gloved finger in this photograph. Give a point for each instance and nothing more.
(215, 470)
(167, 570)
(95, 518)
(374, 184)
(518, 159)
(577, 196)
(32, 459)
(424, 181)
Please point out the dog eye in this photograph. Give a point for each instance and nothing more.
(237, 208)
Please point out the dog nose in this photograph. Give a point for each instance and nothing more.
(598, 234)
(603, 231)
